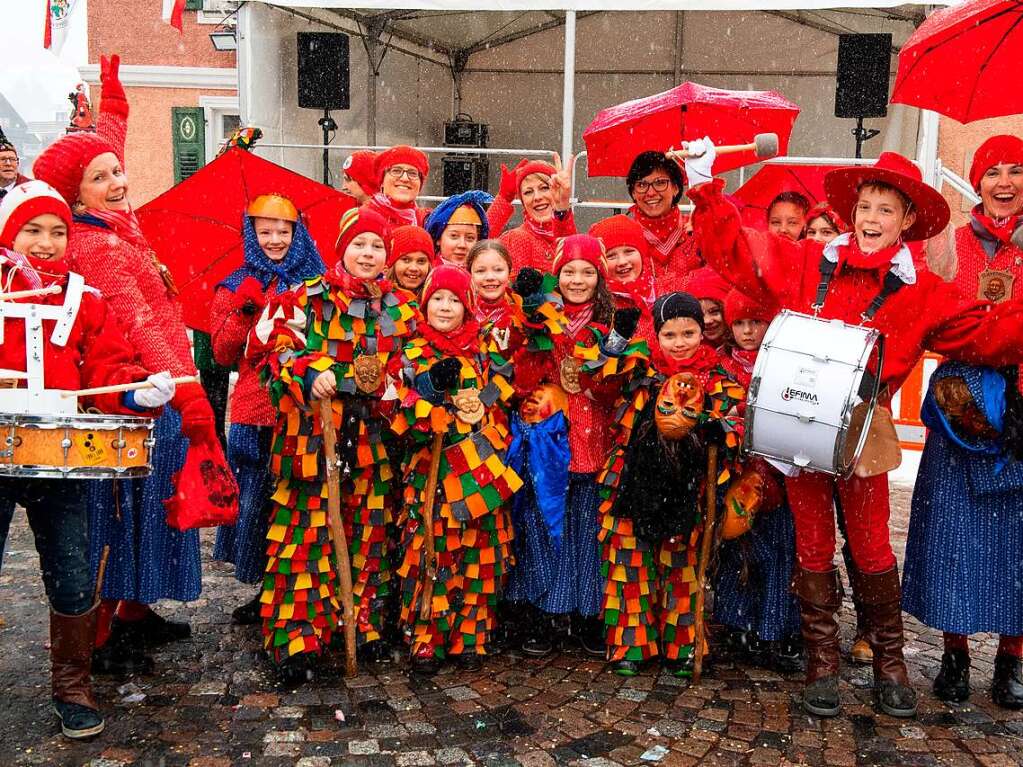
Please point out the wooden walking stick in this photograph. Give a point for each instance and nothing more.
(705, 546)
(337, 533)
(429, 567)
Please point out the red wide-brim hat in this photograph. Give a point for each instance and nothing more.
(932, 214)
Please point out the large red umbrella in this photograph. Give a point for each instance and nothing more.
(195, 228)
(964, 61)
(689, 111)
(771, 180)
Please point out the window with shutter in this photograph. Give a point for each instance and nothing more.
(189, 141)
(193, 5)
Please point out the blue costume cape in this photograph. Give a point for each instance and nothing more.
(544, 447)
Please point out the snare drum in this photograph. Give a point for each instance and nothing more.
(813, 391)
(80, 446)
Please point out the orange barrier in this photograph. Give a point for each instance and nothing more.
(907, 400)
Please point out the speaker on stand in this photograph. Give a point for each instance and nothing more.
(861, 90)
(324, 81)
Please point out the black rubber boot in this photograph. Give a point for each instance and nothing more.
(247, 614)
(952, 683)
(157, 630)
(1007, 683)
(123, 654)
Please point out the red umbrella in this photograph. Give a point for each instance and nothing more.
(195, 228)
(764, 185)
(964, 61)
(690, 111)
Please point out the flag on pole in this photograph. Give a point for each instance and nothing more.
(172, 11)
(60, 15)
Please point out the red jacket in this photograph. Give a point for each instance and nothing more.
(127, 276)
(527, 250)
(926, 315)
(96, 353)
(668, 270)
(229, 328)
(971, 260)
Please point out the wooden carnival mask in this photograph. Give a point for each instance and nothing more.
(743, 500)
(543, 402)
(679, 404)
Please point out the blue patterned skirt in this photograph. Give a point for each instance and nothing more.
(149, 560)
(964, 555)
(567, 580)
(761, 602)
(244, 544)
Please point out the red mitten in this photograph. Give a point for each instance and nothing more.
(507, 191)
(197, 420)
(112, 97)
(249, 296)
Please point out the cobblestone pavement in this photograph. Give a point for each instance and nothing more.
(213, 703)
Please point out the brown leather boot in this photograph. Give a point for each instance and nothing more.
(881, 594)
(820, 596)
(71, 641)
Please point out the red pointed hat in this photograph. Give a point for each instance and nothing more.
(932, 214)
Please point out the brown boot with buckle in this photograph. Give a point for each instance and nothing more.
(820, 596)
(881, 594)
(71, 641)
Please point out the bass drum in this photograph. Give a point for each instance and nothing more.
(813, 393)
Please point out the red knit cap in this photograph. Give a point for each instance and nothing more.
(361, 167)
(579, 247)
(995, 151)
(620, 230)
(739, 306)
(26, 201)
(528, 169)
(455, 279)
(410, 239)
(706, 283)
(824, 209)
(354, 222)
(401, 155)
(63, 163)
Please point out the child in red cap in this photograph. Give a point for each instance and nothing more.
(410, 258)
(966, 527)
(865, 276)
(630, 271)
(360, 176)
(558, 568)
(34, 228)
(708, 286)
(332, 338)
(752, 594)
(451, 394)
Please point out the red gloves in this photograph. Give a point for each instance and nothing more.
(197, 420)
(509, 190)
(112, 95)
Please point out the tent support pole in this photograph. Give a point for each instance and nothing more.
(927, 146)
(568, 102)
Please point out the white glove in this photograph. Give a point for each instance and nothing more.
(699, 166)
(161, 392)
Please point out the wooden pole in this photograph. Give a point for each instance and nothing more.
(116, 388)
(100, 573)
(429, 566)
(337, 533)
(17, 294)
(710, 496)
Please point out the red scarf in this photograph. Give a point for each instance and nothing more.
(1000, 229)
(638, 293)
(704, 359)
(498, 312)
(402, 211)
(745, 358)
(123, 223)
(578, 316)
(852, 255)
(663, 233)
(464, 342)
(353, 287)
(544, 231)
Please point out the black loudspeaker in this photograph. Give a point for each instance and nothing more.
(864, 63)
(323, 76)
(465, 172)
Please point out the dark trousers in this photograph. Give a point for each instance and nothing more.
(57, 515)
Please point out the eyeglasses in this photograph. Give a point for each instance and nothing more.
(659, 184)
(409, 173)
(8, 160)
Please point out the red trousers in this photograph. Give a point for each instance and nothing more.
(865, 504)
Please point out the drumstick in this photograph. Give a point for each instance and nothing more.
(764, 145)
(15, 374)
(47, 291)
(116, 388)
